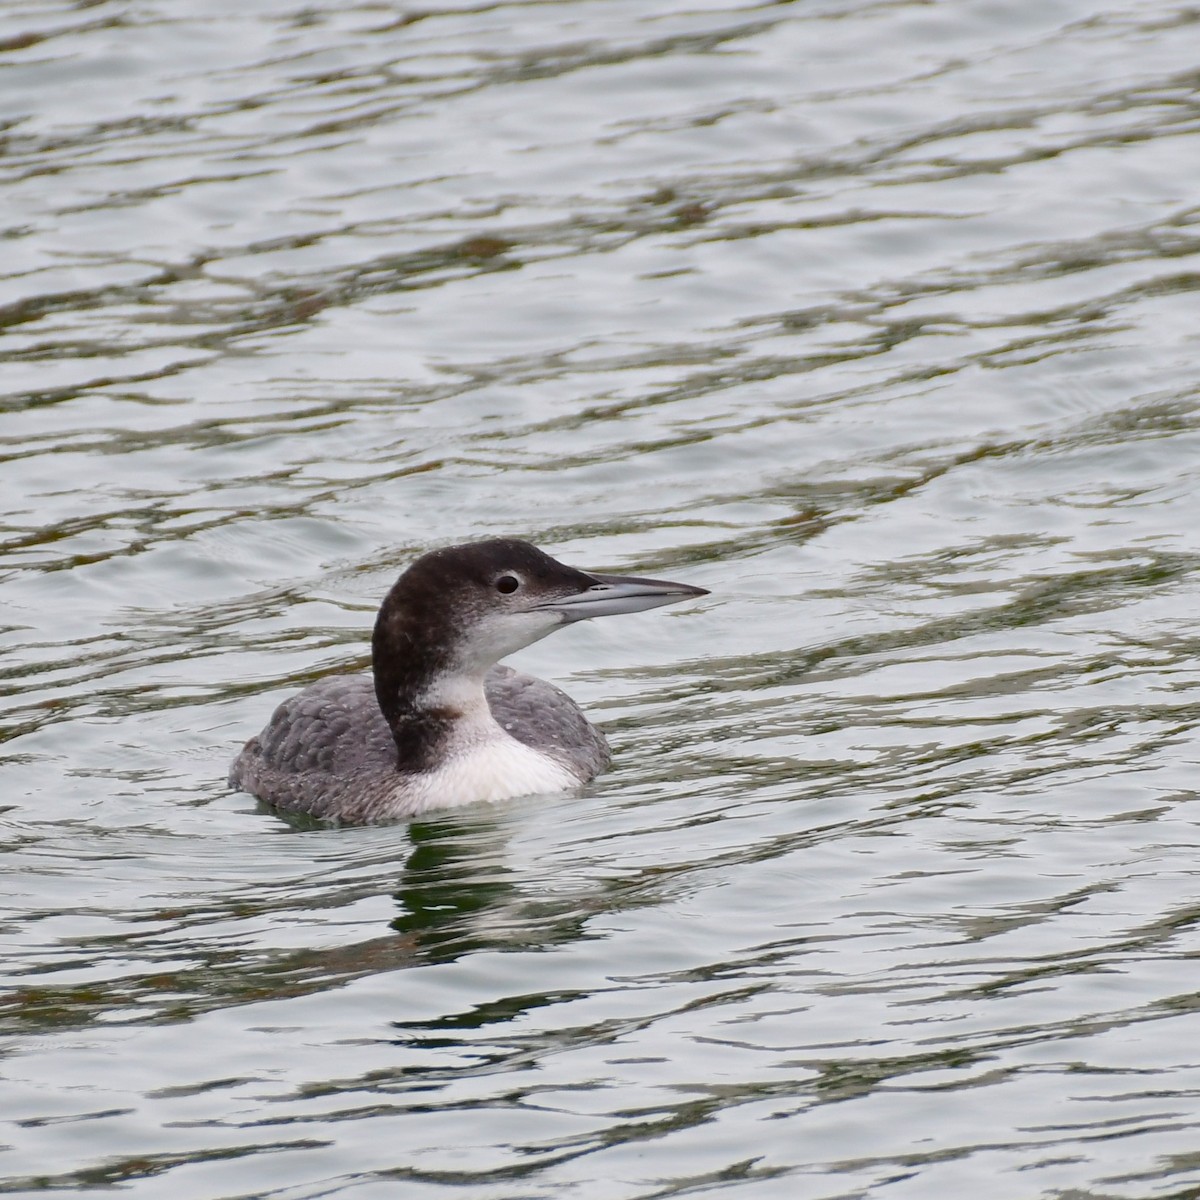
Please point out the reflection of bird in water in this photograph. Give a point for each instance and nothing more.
(455, 883)
(440, 724)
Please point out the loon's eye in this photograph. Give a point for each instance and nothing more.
(507, 584)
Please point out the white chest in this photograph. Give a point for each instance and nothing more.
(496, 768)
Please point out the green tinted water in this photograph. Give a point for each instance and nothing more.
(877, 320)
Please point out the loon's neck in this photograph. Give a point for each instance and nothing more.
(450, 749)
(431, 706)
(438, 723)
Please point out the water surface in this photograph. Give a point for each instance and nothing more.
(876, 319)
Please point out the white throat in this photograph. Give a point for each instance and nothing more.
(479, 759)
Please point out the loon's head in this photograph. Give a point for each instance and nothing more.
(461, 609)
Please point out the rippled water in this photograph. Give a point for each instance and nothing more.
(877, 319)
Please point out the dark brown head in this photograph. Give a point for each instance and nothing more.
(456, 612)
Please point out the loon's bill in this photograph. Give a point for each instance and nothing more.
(615, 594)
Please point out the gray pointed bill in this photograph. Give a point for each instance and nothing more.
(613, 594)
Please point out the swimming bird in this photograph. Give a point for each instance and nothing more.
(438, 722)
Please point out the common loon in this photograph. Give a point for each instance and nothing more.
(440, 723)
